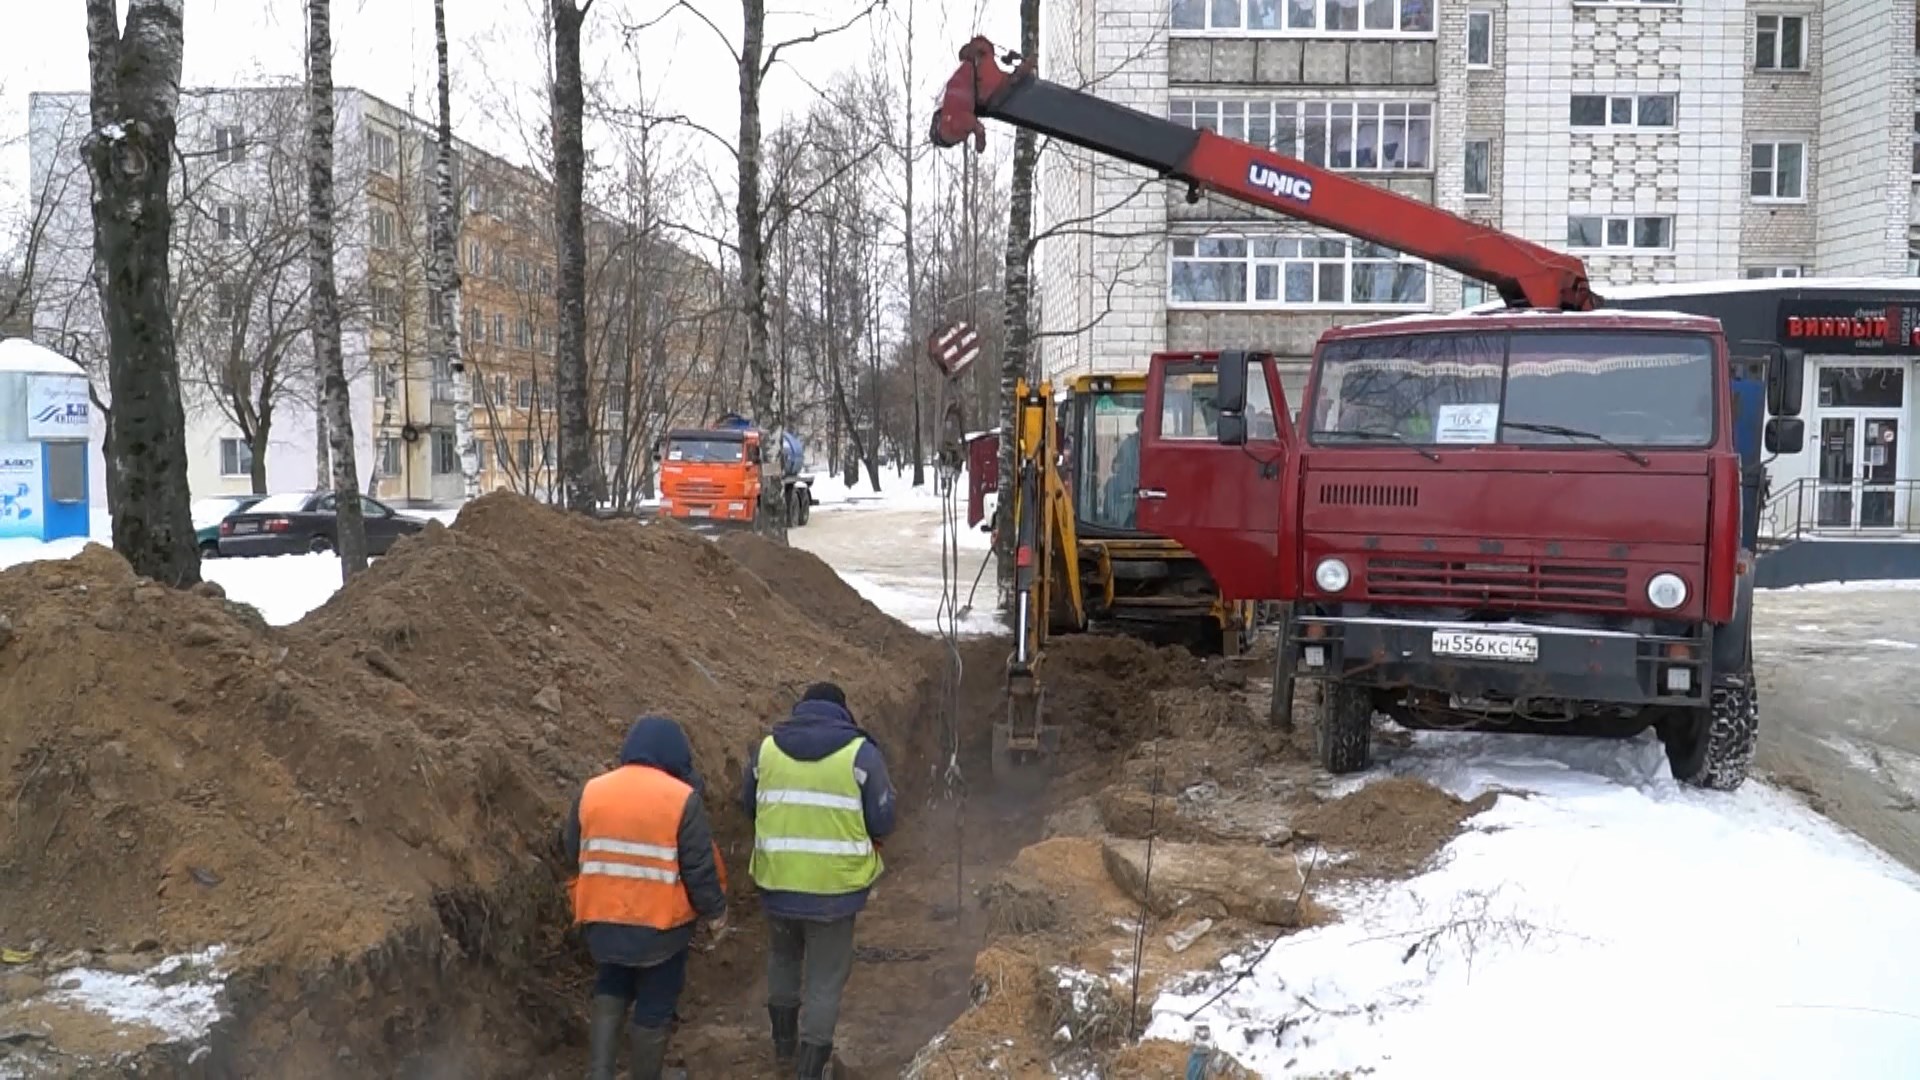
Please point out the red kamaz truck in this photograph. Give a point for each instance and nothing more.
(1539, 519)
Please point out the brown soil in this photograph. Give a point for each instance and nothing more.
(809, 584)
(364, 805)
(1388, 829)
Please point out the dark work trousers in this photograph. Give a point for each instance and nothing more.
(808, 966)
(654, 990)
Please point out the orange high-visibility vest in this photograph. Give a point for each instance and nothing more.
(629, 870)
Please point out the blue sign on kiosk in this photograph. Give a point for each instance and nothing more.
(46, 421)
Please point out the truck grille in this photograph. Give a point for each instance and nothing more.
(698, 489)
(1493, 580)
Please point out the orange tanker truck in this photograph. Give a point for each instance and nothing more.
(713, 476)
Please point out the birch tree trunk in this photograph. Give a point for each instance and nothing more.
(1015, 359)
(135, 80)
(350, 525)
(446, 271)
(322, 460)
(570, 302)
(772, 519)
(916, 333)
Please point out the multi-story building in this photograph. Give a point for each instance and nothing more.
(1662, 140)
(241, 312)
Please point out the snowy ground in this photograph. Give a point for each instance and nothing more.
(1600, 918)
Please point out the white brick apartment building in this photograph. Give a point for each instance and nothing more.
(1662, 141)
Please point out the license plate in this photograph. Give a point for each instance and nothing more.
(245, 527)
(1521, 648)
(700, 511)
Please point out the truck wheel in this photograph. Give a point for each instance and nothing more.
(1717, 751)
(805, 499)
(1344, 739)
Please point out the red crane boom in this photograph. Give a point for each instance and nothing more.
(1526, 274)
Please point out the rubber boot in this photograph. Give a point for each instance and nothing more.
(649, 1053)
(609, 1015)
(786, 1032)
(814, 1061)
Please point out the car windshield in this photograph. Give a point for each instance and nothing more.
(705, 450)
(1529, 388)
(292, 502)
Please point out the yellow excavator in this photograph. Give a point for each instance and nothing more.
(1081, 563)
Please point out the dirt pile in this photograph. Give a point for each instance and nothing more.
(804, 580)
(375, 790)
(1389, 828)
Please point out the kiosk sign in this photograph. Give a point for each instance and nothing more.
(21, 511)
(58, 407)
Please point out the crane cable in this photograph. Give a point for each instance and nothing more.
(947, 619)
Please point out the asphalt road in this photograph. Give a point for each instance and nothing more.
(1840, 707)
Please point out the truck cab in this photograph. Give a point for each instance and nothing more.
(1518, 521)
(712, 476)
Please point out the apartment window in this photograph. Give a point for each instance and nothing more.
(546, 279)
(479, 456)
(499, 263)
(474, 257)
(1622, 110)
(1762, 273)
(389, 373)
(1779, 42)
(1597, 233)
(1478, 162)
(523, 334)
(381, 224)
(446, 456)
(500, 389)
(524, 451)
(476, 201)
(381, 151)
(546, 396)
(236, 457)
(546, 451)
(390, 452)
(523, 393)
(1473, 293)
(522, 274)
(546, 340)
(226, 301)
(1370, 17)
(230, 221)
(476, 327)
(1292, 272)
(1349, 136)
(1779, 172)
(499, 329)
(385, 302)
(229, 144)
(1479, 39)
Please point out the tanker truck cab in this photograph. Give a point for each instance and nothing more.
(1519, 521)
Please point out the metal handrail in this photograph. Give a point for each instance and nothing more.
(1792, 512)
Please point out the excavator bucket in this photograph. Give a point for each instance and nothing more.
(1024, 744)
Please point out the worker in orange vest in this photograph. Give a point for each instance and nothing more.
(647, 870)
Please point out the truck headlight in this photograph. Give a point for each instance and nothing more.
(1331, 575)
(1666, 591)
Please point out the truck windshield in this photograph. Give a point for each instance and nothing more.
(1527, 387)
(722, 451)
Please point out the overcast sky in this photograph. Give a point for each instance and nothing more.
(386, 48)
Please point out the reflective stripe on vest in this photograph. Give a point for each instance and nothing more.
(810, 825)
(630, 850)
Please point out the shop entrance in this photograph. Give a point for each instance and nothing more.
(1862, 480)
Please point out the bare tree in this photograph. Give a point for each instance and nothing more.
(445, 285)
(135, 82)
(350, 524)
(570, 301)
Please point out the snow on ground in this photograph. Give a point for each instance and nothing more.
(178, 997)
(922, 610)
(1600, 920)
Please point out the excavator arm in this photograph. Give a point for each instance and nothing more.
(1526, 274)
(1046, 585)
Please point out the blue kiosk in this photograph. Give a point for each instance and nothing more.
(46, 426)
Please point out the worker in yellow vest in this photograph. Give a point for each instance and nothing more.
(818, 791)
(647, 871)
